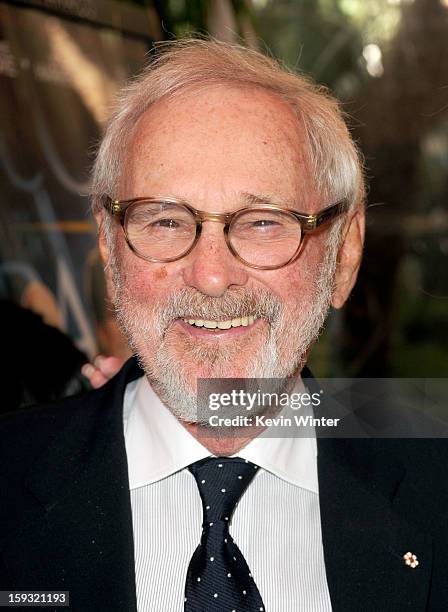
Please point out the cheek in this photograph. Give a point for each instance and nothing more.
(296, 284)
(145, 281)
(160, 274)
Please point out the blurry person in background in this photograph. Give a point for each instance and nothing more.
(109, 336)
(229, 198)
(40, 362)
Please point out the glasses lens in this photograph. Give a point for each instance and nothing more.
(264, 237)
(160, 230)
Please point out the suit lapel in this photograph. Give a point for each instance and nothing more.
(364, 533)
(82, 526)
(75, 530)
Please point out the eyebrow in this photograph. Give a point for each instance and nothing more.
(251, 199)
(247, 199)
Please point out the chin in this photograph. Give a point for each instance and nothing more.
(193, 371)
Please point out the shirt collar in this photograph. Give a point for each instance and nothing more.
(157, 445)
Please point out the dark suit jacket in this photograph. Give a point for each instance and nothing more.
(65, 514)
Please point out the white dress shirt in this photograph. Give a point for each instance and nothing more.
(276, 524)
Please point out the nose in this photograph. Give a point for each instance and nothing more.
(210, 267)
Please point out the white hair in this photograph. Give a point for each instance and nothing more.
(192, 63)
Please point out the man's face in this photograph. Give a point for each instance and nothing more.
(212, 148)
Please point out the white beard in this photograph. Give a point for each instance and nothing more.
(282, 352)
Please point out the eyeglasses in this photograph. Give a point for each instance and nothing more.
(262, 237)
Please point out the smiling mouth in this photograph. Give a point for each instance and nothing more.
(219, 325)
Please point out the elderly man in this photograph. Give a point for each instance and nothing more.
(229, 199)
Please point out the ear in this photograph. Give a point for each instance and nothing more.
(102, 243)
(349, 257)
(103, 248)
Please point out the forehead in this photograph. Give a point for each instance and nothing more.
(216, 143)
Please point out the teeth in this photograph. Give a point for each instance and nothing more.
(210, 324)
(225, 324)
(237, 322)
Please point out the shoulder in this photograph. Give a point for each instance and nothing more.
(420, 457)
(415, 470)
(380, 465)
(26, 433)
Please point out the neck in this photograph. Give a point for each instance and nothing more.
(227, 441)
(230, 442)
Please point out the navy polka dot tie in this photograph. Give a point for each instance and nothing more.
(218, 578)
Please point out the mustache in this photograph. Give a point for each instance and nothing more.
(190, 303)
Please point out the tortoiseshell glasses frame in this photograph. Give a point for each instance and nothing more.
(306, 224)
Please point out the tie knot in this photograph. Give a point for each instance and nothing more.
(221, 482)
